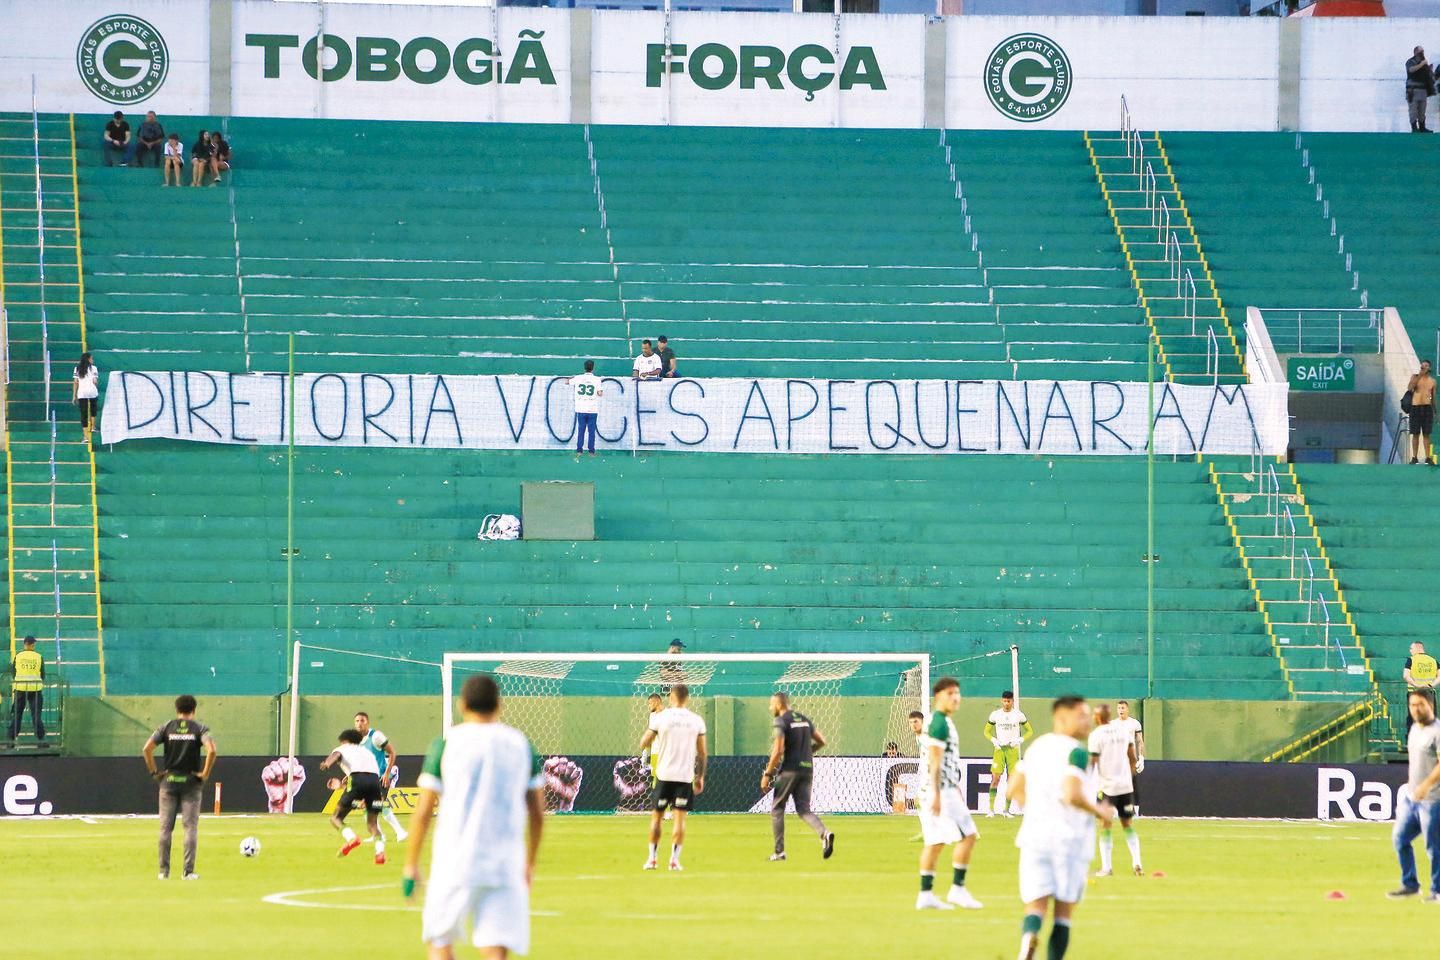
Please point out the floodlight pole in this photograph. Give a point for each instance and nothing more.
(290, 591)
(1150, 520)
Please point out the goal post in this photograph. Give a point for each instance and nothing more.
(586, 713)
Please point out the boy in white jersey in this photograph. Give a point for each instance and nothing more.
(587, 405)
(679, 738)
(1057, 836)
(944, 815)
(487, 834)
(1112, 750)
(1006, 729)
(362, 789)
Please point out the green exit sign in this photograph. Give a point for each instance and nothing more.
(1321, 373)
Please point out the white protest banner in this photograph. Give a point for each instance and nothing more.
(722, 415)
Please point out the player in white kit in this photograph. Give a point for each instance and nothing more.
(678, 736)
(1112, 749)
(487, 833)
(1057, 836)
(363, 791)
(1127, 719)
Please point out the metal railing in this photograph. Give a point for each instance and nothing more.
(1307, 330)
(1212, 350)
(1361, 714)
(1189, 301)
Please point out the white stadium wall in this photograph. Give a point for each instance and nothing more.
(250, 58)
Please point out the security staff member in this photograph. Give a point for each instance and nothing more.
(181, 775)
(28, 686)
(1420, 673)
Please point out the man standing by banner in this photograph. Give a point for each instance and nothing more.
(588, 392)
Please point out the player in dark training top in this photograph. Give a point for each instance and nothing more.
(792, 768)
(183, 769)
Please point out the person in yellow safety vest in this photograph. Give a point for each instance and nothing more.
(1420, 674)
(28, 684)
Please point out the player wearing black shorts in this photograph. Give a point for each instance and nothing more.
(363, 790)
(672, 795)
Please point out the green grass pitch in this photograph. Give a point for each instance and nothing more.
(1236, 889)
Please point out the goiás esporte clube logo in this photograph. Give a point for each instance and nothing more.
(122, 59)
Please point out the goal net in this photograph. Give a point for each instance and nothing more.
(586, 714)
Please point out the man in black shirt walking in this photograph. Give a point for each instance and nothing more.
(181, 774)
(792, 757)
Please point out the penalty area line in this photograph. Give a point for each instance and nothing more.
(297, 898)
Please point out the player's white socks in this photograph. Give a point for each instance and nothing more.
(1107, 850)
(654, 850)
(348, 834)
(380, 847)
(395, 825)
(1132, 840)
(675, 853)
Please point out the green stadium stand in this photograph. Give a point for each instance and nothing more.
(525, 248)
(1245, 190)
(955, 556)
(1379, 190)
(777, 252)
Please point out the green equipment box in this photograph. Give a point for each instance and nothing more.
(557, 510)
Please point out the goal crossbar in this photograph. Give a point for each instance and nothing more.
(920, 661)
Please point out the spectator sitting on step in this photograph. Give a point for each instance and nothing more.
(117, 140)
(1419, 87)
(647, 365)
(174, 160)
(220, 159)
(667, 358)
(85, 392)
(152, 140)
(200, 154)
(1422, 411)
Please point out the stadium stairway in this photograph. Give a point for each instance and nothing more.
(1245, 190)
(1171, 272)
(1379, 525)
(743, 553)
(50, 469)
(1304, 608)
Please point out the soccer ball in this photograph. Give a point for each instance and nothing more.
(250, 847)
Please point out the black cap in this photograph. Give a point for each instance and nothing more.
(677, 642)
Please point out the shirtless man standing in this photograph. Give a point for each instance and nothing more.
(1422, 411)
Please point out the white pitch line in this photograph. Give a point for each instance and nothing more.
(290, 898)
